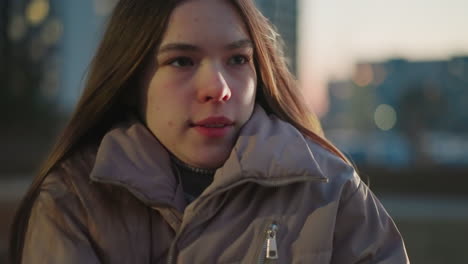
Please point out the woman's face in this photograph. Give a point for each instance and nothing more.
(202, 90)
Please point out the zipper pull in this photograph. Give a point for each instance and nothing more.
(272, 249)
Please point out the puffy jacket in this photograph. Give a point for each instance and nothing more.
(279, 198)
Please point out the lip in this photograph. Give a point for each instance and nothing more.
(214, 132)
(214, 120)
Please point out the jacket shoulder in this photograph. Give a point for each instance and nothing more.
(343, 179)
(71, 174)
(332, 165)
(59, 221)
(69, 185)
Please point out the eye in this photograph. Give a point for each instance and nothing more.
(181, 62)
(238, 60)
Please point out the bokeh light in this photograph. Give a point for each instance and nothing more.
(17, 28)
(364, 75)
(385, 117)
(103, 7)
(51, 32)
(37, 11)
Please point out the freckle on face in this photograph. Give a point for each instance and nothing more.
(170, 124)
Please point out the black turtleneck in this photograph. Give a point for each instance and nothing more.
(194, 180)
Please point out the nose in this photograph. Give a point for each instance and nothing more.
(213, 86)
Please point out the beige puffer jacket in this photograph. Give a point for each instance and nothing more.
(279, 198)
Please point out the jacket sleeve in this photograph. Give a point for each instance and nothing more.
(57, 230)
(364, 231)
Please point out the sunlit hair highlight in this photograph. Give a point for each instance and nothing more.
(278, 90)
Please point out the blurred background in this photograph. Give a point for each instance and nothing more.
(389, 80)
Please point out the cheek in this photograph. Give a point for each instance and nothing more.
(245, 83)
(163, 105)
(246, 99)
(169, 88)
(248, 91)
(154, 106)
(160, 92)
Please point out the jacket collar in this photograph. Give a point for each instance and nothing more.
(268, 150)
(130, 156)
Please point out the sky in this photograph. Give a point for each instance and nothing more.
(335, 34)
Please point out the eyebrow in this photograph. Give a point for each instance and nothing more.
(243, 43)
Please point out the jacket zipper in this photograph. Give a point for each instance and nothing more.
(269, 251)
(171, 253)
(172, 249)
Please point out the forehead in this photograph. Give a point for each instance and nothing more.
(205, 22)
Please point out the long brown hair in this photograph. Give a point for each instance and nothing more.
(279, 93)
(135, 28)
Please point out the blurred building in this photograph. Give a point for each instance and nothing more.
(47, 45)
(284, 15)
(401, 112)
(31, 35)
(31, 41)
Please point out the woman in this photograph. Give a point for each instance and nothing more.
(191, 144)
